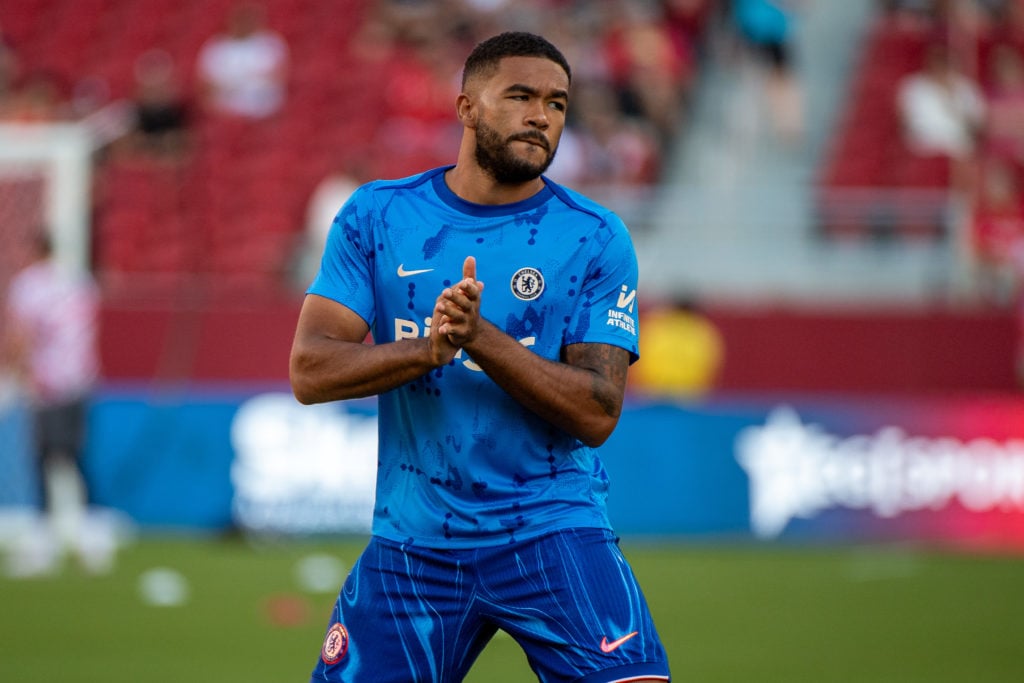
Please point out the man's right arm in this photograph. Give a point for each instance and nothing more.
(330, 362)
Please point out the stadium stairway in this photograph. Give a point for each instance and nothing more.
(736, 218)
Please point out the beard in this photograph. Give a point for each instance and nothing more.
(495, 156)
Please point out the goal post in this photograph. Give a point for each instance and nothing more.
(46, 175)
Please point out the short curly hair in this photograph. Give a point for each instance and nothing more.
(485, 57)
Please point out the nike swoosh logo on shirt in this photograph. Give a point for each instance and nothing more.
(402, 272)
(614, 645)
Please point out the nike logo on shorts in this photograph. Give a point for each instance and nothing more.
(402, 272)
(614, 645)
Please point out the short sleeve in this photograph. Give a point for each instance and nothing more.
(608, 310)
(346, 268)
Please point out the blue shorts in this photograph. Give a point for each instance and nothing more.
(568, 598)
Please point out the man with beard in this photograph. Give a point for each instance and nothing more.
(490, 503)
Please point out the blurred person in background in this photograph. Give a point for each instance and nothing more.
(766, 28)
(331, 192)
(51, 342)
(38, 98)
(648, 66)
(616, 150)
(997, 232)
(243, 71)
(941, 109)
(418, 86)
(602, 150)
(681, 351)
(1004, 126)
(159, 125)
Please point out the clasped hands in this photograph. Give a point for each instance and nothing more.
(456, 318)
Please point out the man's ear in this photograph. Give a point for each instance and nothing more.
(466, 110)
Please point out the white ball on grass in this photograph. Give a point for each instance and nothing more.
(163, 587)
(320, 573)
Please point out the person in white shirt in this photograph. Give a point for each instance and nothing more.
(941, 109)
(51, 341)
(243, 72)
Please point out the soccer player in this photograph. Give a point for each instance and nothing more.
(51, 335)
(490, 505)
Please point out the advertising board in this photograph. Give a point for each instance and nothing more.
(946, 470)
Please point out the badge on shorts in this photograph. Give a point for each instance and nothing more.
(527, 284)
(335, 644)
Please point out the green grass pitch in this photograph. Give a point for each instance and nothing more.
(726, 613)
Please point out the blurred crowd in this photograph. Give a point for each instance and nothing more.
(963, 105)
(961, 109)
(369, 85)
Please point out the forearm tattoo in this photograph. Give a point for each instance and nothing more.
(609, 365)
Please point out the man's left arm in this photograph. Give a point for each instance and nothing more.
(581, 395)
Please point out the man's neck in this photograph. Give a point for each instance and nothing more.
(473, 184)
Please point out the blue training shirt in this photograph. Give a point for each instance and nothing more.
(461, 463)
